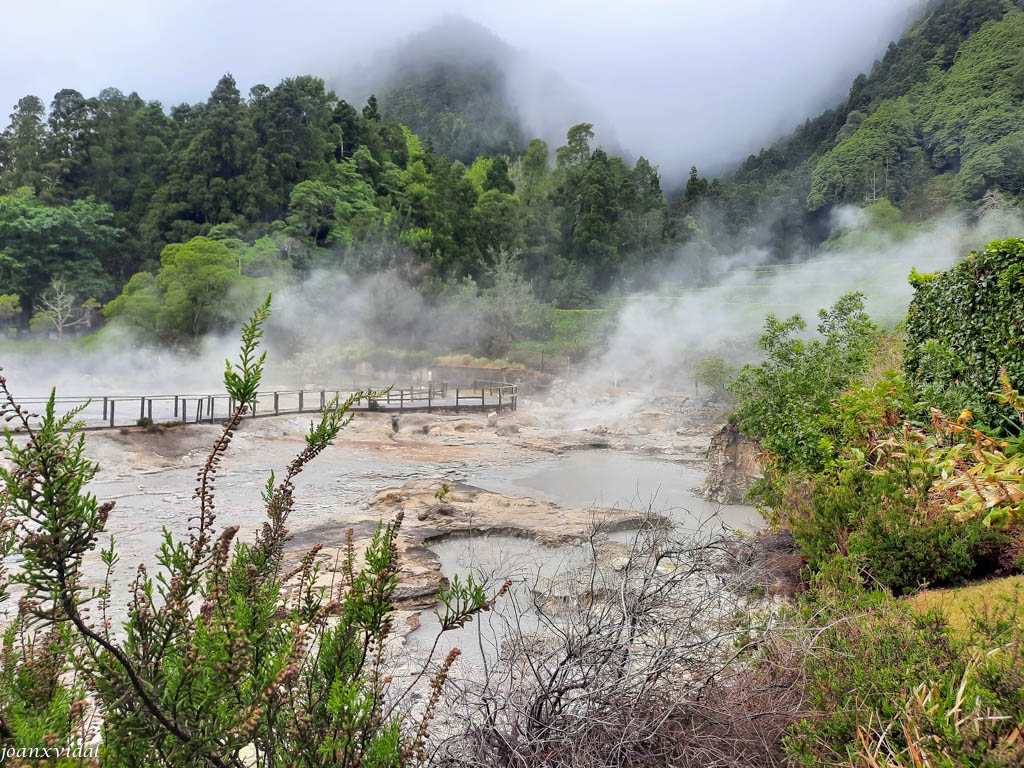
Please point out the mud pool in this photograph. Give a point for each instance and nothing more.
(580, 479)
(602, 478)
(530, 456)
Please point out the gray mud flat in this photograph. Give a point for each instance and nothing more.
(576, 480)
(538, 483)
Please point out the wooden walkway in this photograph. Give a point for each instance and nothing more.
(121, 411)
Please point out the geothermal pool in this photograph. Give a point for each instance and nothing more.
(580, 479)
(604, 478)
(153, 483)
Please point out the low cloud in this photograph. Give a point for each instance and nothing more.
(680, 81)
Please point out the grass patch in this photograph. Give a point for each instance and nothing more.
(470, 361)
(986, 601)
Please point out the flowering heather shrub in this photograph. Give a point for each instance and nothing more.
(227, 656)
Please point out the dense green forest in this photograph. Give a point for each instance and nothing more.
(934, 125)
(106, 193)
(110, 205)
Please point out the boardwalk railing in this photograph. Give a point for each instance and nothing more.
(113, 411)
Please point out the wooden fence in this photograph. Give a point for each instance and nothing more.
(119, 411)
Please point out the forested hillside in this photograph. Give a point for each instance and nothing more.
(449, 84)
(290, 180)
(935, 124)
(104, 197)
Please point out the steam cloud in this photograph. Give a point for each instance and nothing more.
(658, 339)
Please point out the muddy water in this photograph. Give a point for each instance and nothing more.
(578, 479)
(614, 479)
(338, 486)
(329, 493)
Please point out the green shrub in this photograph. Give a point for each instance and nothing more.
(885, 686)
(824, 511)
(964, 324)
(880, 520)
(903, 552)
(867, 652)
(788, 401)
(865, 414)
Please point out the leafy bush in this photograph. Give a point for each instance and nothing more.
(976, 473)
(865, 415)
(965, 324)
(904, 551)
(865, 653)
(883, 522)
(825, 510)
(788, 400)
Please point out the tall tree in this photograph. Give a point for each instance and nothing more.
(576, 151)
(297, 136)
(22, 146)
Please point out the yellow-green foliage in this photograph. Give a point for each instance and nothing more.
(477, 172)
(961, 606)
(888, 687)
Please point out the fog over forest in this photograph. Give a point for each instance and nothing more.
(520, 191)
(682, 82)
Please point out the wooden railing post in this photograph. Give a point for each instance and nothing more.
(277, 404)
(300, 401)
(112, 412)
(456, 399)
(104, 407)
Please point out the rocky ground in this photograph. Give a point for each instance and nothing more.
(374, 471)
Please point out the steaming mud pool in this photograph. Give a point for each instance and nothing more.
(523, 496)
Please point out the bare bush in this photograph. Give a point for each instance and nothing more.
(651, 658)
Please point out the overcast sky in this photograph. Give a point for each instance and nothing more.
(689, 81)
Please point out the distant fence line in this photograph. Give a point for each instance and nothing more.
(119, 411)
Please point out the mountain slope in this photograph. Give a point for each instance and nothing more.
(449, 85)
(934, 124)
(469, 92)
